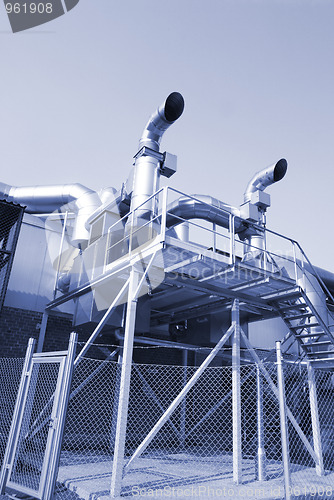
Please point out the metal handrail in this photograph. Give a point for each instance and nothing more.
(164, 211)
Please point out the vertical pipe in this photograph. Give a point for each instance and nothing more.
(42, 332)
(315, 420)
(60, 253)
(184, 402)
(236, 394)
(261, 453)
(283, 421)
(124, 391)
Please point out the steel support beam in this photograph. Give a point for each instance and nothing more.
(42, 332)
(124, 391)
(236, 394)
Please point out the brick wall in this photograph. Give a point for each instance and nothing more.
(18, 325)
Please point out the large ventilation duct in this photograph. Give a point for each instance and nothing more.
(146, 172)
(206, 208)
(265, 178)
(46, 199)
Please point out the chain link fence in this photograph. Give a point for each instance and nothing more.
(192, 454)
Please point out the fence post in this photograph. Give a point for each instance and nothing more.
(184, 402)
(61, 418)
(261, 453)
(283, 421)
(315, 420)
(124, 391)
(236, 394)
(16, 416)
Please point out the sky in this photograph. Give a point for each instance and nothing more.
(257, 77)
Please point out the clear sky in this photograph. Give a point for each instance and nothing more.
(258, 81)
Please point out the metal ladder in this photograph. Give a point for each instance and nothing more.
(301, 316)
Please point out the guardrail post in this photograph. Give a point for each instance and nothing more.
(164, 213)
(232, 239)
(283, 421)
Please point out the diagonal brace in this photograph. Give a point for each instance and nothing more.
(163, 419)
(275, 391)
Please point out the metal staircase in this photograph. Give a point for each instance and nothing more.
(306, 325)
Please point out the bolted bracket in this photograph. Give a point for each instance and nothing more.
(167, 161)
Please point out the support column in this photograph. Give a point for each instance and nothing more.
(283, 421)
(236, 394)
(42, 332)
(315, 420)
(123, 404)
(261, 453)
(116, 395)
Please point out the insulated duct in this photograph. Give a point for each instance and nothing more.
(146, 172)
(47, 199)
(206, 208)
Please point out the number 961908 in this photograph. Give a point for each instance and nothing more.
(29, 8)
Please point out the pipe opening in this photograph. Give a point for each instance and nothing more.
(174, 106)
(280, 169)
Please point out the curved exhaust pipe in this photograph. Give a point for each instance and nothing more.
(146, 172)
(266, 177)
(47, 199)
(161, 120)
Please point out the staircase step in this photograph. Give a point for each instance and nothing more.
(306, 335)
(320, 353)
(305, 326)
(284, 295)
(294, 306)
(324, 362)
(321, 343)
(298, 316)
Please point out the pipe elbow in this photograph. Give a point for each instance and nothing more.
(266, 177)
(161, 120)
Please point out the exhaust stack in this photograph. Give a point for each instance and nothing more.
(265, 178)
(146, 171)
